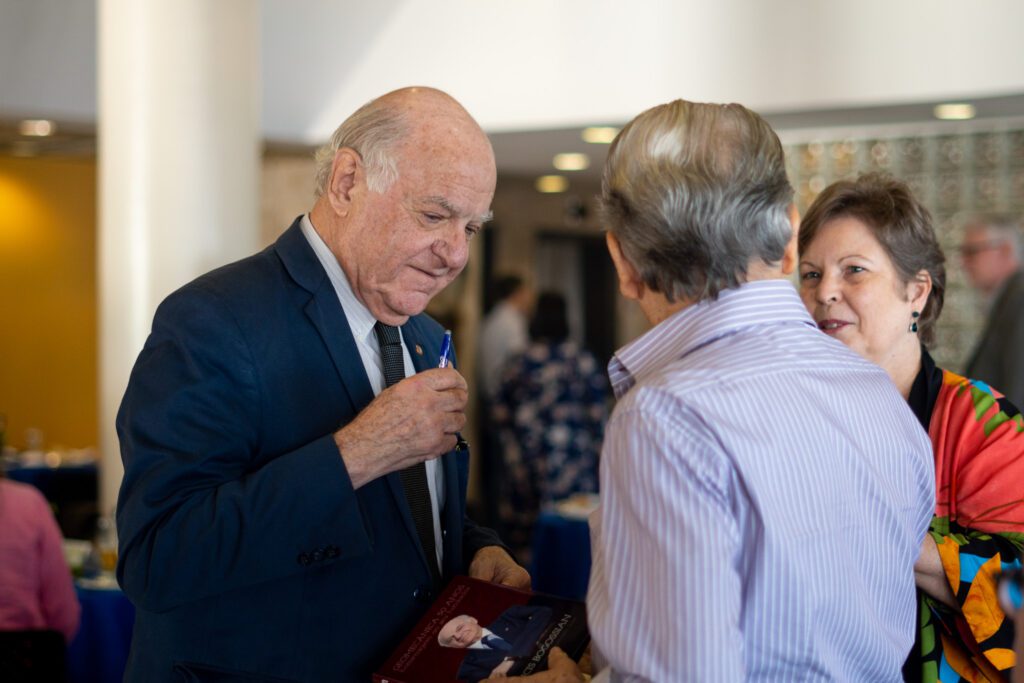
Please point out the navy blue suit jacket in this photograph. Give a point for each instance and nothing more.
(243, 544)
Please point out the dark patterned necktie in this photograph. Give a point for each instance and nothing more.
(414, 478)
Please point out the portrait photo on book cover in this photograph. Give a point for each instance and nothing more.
(477, 630)
(502, 647)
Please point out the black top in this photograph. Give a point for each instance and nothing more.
(923, 394)
(925, 390)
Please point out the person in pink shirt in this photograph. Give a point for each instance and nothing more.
(36, 588)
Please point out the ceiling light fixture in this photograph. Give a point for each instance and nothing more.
(599, 135)
(550, 184)
(571, 161)
(37, 128)
(954, 111)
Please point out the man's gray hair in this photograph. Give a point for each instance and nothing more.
(694, 193)
(372, 131)
(1005, 227)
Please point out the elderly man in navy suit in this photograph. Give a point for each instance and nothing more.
(494, 650)
(295, 487)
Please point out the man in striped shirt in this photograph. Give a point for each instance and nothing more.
(764, 490)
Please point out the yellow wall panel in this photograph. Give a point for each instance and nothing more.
(48, 374)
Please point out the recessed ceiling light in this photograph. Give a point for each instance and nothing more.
(38, 128)
(954, 111)
(599, 135)
(571, 161)
(550, 184)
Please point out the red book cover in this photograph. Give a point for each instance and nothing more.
(477, 629)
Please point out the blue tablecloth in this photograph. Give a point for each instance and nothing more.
(99, 651)
(78, 481)
(561, 556)
(71, 489)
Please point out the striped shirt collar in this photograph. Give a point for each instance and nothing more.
(360, 320)
(762, 302)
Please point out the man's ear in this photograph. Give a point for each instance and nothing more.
(630, 283)
(790, 257)
(346, 169)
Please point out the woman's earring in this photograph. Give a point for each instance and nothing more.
(913, 325)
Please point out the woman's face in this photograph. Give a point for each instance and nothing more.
(851, 288)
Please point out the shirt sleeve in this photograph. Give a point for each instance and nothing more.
(664, 599)
(57, 589)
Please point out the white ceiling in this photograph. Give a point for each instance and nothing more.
(534, 71)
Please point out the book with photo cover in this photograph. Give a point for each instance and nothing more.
(475, 630)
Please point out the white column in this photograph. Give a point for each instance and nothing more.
(179, 154)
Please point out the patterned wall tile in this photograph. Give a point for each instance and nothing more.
(954, 175)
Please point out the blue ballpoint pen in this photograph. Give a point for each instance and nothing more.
(446, 349)
(446, 354)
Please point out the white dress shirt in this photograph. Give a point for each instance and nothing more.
(361, 322)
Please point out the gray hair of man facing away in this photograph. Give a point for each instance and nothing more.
(695, 193)
(372, 131)
(1002, 227)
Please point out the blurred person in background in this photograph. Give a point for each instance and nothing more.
(36, 588)
(548, 414)
(503, 335)
(503, 332)
(992, 257)
(873, 276)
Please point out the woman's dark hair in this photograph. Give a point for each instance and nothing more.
(900, 223)
(550, 322)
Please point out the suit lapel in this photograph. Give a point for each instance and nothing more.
(416, 338)
(411, 337)
(424, 353)
(326, 315)
(325, 312)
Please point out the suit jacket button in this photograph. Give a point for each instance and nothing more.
(332, 552)
(422, 594)
(318, 555)
(303, 559)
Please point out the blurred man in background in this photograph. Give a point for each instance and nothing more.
(504, 335)
(991, 254)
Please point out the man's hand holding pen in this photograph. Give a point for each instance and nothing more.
(414, 420)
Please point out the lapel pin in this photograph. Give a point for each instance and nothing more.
(419, 350)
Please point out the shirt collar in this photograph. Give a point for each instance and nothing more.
(762, 302)
(360, 320)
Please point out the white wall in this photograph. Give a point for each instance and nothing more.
(535, 64)
(532, 64)
(48, 59)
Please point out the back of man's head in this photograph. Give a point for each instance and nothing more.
(695, 194)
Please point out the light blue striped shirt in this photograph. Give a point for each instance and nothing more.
(764, 495)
